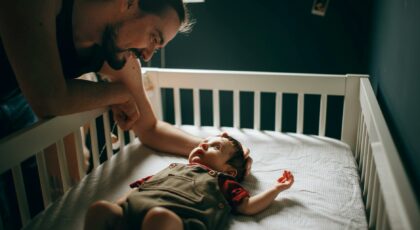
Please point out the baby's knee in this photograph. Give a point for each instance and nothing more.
(162, 218)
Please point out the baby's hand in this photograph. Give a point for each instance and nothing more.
(286, 181)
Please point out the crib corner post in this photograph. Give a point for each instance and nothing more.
(351, 110)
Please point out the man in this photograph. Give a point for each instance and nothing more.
(45, 44)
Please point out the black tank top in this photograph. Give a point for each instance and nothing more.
(71, 64)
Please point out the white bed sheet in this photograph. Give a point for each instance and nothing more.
(326, 193)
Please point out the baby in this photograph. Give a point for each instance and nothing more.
(198, 195)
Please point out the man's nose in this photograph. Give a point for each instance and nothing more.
(147, 54)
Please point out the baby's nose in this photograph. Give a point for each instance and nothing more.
(204, 146)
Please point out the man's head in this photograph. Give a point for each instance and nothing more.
(143, 27)
(222, 153)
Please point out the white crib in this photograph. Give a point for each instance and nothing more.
(390, 202)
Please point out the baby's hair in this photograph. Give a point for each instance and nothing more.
(237, 160)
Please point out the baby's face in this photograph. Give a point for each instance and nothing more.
(214, 152)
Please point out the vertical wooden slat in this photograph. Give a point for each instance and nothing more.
(359, 134)
(351, 106)
(177, 106)
(196, 101)
(94, 143)
(107, 134)
(362, 149)
(132, 135)
(257, 110)
(216, 108)
(279, 112)
(367, 170)
(380, 213)
(374, 207)
(322, 115)
(365, 154)
(21, 195)
(62, 162)
(371, 183)
(78, 138)
(121, 139)
(300, 112)
(43, 178)
(236, 111)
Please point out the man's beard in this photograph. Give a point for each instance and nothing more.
(110, 48)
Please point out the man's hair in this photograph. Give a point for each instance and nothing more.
(159, 6)
(237, 160)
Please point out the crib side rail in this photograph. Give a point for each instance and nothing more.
(389, 198)
(324, 85)
(59, 137)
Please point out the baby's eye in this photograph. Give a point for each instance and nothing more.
(216, 147)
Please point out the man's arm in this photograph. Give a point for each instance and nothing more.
(255, 204)
(28, 34)
(152, 132)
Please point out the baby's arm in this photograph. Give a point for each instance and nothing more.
(255, 204)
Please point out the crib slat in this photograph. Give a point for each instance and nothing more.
(367, 170)
(322, 115)
(257, 110)
(362, 149)
(374, 206)
(301, 101)
(94, 143)
(177, 107)
(62, 161)
(78, 139)
(371, 182)
(21, 195)
(132, 135)
(121, 139)
(196, 100)
(278, 113)
(380, 214)
(216, 109)
(43, 178)
(364, 162)
(359, 134)
(107, 134)
(236, 114)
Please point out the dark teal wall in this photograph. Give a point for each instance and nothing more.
(395, 74)
(273, 35)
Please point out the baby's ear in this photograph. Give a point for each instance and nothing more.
(233, 172)
(224, 134)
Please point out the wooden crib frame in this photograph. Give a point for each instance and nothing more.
(390, 202)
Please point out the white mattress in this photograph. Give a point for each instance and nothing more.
(326, 193)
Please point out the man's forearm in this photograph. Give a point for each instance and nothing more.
(167, 138)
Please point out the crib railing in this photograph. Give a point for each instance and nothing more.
(389, 199)
(261, 82)
(390, 202)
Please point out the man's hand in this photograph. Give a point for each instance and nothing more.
(248, 160)
(125, 114)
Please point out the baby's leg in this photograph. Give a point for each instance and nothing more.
(104, 215)
(161, 218)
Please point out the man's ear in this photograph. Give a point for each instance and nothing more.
(125, 4)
